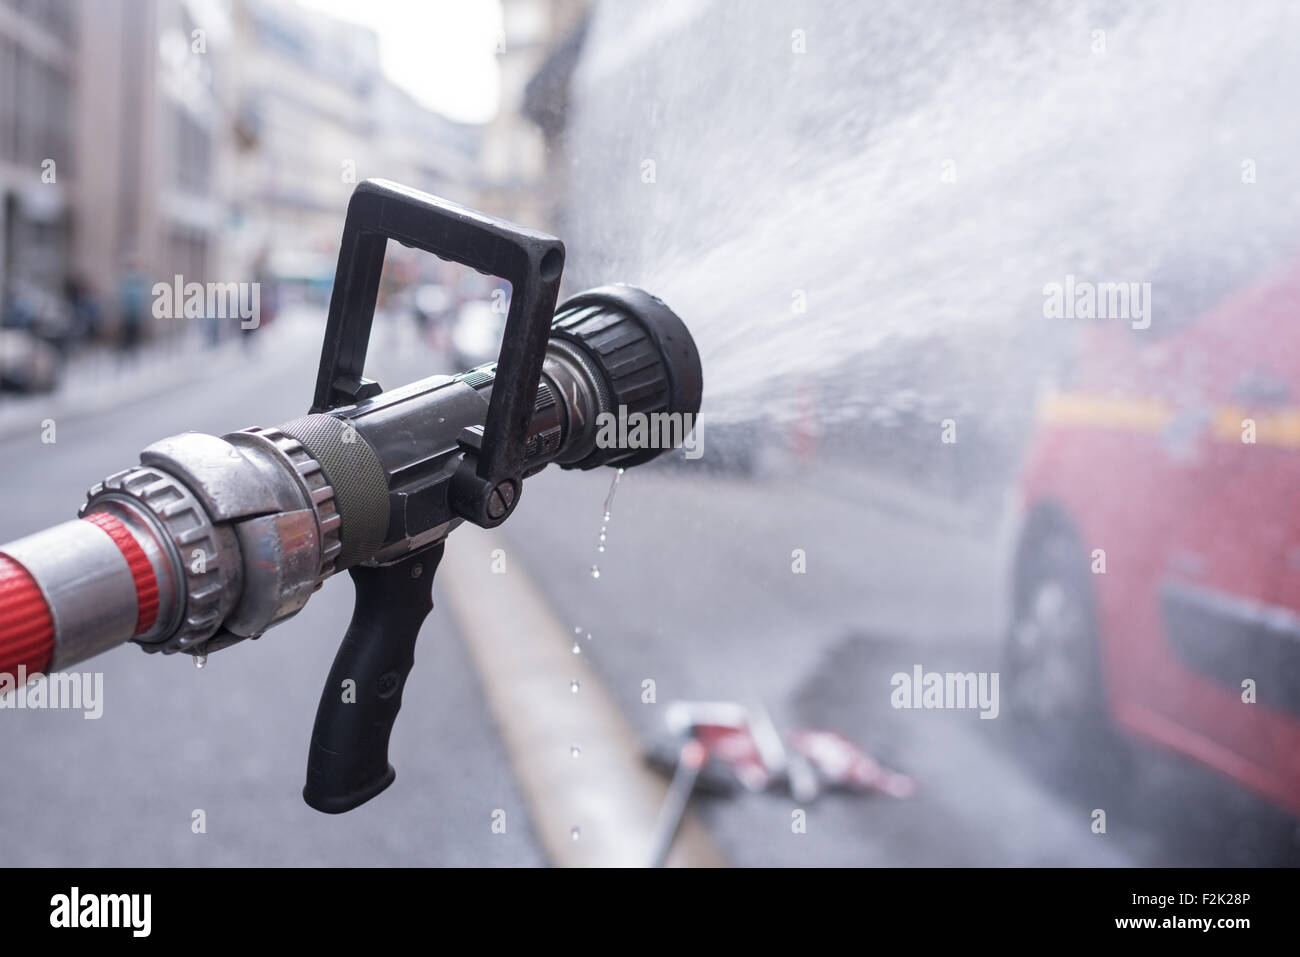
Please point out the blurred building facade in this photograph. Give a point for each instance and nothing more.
(38, 53)
(214, 139)
(306, 132)
(520, 161)
(427, 150)
(316, 115)
(153, 157)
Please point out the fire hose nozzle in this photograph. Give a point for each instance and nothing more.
(213, 540)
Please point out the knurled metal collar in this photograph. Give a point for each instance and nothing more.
(311, 477)
(206, 557)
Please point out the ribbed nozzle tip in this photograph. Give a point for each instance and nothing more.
(647, 362)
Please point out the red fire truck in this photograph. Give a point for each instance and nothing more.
(1157, 573)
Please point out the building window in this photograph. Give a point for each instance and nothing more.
(193, 154)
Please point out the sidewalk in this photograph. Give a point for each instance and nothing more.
(101, 378)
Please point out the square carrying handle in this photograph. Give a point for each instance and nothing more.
(530, 261)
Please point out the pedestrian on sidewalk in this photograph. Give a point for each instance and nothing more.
(134, 305)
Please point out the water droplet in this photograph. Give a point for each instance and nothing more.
(589, 636)
(574, 686)
(595, 571)
(577, 630)
(600, 548)
(609, 499)
(200, 661)
(575, 751)
(577, 648)
(575, 834)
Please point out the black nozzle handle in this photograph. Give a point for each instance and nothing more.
(530, 261)
(347, 763)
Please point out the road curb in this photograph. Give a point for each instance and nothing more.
(524, 659)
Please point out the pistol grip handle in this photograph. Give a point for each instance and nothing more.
(347, 763)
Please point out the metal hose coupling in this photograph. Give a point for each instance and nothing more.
(238, 532)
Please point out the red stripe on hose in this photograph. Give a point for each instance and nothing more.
(146, 583)
(26, 625)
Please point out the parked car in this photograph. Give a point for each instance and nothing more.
(432, 304)
(476, 336)
(40, 313)
(1157, 574)
(27, 362)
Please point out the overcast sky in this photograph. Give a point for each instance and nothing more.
(440, 51)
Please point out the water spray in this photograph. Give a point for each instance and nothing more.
(213, 540)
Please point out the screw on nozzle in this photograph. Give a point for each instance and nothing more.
(501, 500)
